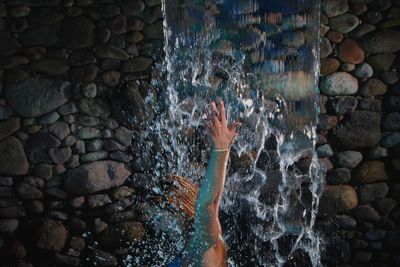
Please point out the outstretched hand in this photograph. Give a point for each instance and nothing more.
(222, 135)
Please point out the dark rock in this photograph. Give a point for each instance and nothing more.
(12, 212)
(326, 48)
(132, 8)
(371, 104)
(5, 191)
(326, 122)
(344, 222)
(338, 176)
(342, 105)
(360, 129)
(94, 107)
(362, 30)
(390, 139)
(333, 8)
(13, 160)
(50, 66)
(67, 260)
(344, 23)
(9, 127)
(121, 233)
(121, 156)
(98, 200)
(35, 207)
(363, 71)
(154, 30)
(370, 171)
(112, 52)
(77, 32)
(390, 77)
(96, 176)
(86, 73)
(324, 151)
(89, 133)
(367, 213)
(60, 155)
(381, 62)
(392, 240)
(8, 225)
(118, 25)
(391, 122)
(37, 96)
(123, 135)
(385, 205)
(370, 192)
(382, 41)
(329, 65)
(81, 57)
(51, 235)
(338, 198)
(8, 44)
(41, 141)
(373, 87)
(5, 113)
(348, 159)
(137, 64)
(94, 156)
(28, 192)
(6, 181)
(40, 36)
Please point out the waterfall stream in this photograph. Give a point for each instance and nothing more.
(261, 58)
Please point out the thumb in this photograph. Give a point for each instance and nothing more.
(233, 127)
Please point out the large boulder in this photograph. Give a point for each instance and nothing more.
(339, 83)
(360, 129)
(13, 159)
(96, 176)
(36, 96)
(337, 198)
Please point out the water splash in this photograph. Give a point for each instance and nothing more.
(261, 58)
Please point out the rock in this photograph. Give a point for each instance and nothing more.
(121, 156)
(338, 176)
(333, 8)
(77, 32)
(391, 122)
(60, 155)
(339, 83)
(98, 200)
(393, 239)
(362, 30)
(154, 30)
(50, 66)
(342, 105)
(28, 192)
(89, 133)
(5, 191)
(111, 78)
(96, 176)
(37, 96)
(35, 207)
(351, 52)
(348, 159)
(382, 41)
(132, 8)
(121, 233)
(390, 77)
(338, 198)
(89, 90)
(93, 156)
(385, 205)
(324, 151)
(86, 73)
(41, 36)
(367, 213)
(16, 249)
(381, 62)
(123, 135)
(326, 48)
(390, 139)
(371, 192)
(102, 258)
(344, 23)
(329, 65)
(8, 225)
(112, 145)
(94, 107)
(393, 101)
(370, 104)
(137, 64)
(95, 145)
(109, 51)
(44, 171)
(8, 45)
(122, 192)
(67, 109)
(13, 160)
(364, 71)
(67, 260)
(49, 118)
(51, 235)
(360, 129)
(5, 113)
(6, 181)
(373, 87)
(12, 212)
(60, 130)
(370, 172)
(326, 122)
(9, 127)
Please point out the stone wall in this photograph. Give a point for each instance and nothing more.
(359, 130)
(66, 151)
(65, 148)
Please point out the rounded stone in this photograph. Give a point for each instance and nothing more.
(325, 48)
(382, 41)
(391, 122)
(329, 65)
(339, 83)
(381, 62)
(344, 23)
(51, 235)
(373, 87)
(337, 199)
(371, 192)
(366, 213)
(77, 32)
(370, 172)
(348, 159)
(13, 160)
(350, 52)
(338, 176)
(364, 71)
(333, 8)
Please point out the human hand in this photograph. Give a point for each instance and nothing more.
(222, 135)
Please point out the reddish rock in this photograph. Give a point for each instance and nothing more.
(51, 235)
(334, 36)
(338, 198)
(329, 65)
(351, 52)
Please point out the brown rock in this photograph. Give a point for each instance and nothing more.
(51, 235)
(338, 198)
(9, 127)
(329, 65)
(351, 52)
(16, 249)
(334, 36)
(13, 159)
(370, 172)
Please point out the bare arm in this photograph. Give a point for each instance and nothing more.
(205, 247)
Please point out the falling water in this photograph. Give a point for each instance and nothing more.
(261, 58)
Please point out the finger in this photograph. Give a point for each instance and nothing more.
(214, 109)
(209, 116)
(234, 126)
(216, 121)
(222, 113)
